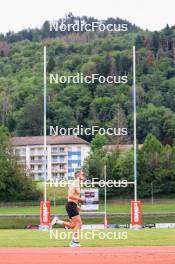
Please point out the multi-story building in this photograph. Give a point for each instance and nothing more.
(65, 155)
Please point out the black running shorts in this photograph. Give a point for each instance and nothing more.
(71, 209)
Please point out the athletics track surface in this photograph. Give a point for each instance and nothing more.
(89, 255)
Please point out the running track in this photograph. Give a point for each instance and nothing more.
(96, 255)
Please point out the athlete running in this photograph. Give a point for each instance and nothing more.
(73, 209)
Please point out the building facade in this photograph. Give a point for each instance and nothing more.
(65, 155)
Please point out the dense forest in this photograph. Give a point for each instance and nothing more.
(106, 53)
(155, 168)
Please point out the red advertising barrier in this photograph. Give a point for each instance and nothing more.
(45, 213)
(136, 213)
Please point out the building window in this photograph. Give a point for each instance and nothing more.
(54, 150)
(61, 158)
(32, 151)
(20, 152)
(54, 159)
(61, 175)
(40, 151)
(61, 149)
(17, 152)
(54, 175)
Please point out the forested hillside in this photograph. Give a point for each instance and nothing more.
(21, 81)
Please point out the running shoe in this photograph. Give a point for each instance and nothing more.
(75, 244)
(56, 221)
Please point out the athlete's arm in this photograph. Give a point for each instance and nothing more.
(78, 208)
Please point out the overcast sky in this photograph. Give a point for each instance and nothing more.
(19, 14)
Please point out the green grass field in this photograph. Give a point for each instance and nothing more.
(111, 208)
(20, 223)
(117, 206)
(35, 238)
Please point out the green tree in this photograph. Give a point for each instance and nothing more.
(50, 64)
(138, 42)
(98, 142)
(14, 183)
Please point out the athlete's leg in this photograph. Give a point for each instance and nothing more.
(70, 224)
(76, 223)
(57, 221)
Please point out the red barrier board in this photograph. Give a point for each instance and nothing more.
(136, 213)
(45, 213)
